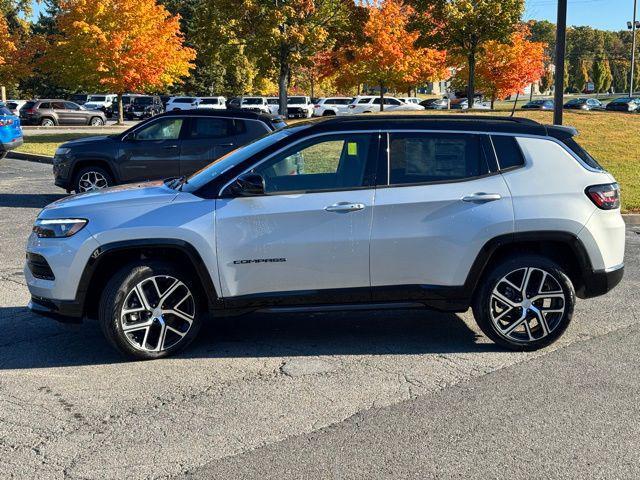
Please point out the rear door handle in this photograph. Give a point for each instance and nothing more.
(345, 207)
(481, 197)
(170, 147)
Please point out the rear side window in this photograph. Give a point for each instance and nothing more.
(44, 106)
(581, 152)
(5, 111)
(205, 127)
(508, 151)
(425, 157)
(183, 100)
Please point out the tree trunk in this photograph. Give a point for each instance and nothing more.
(120, 110)
(381, 98)
(513, 111)
(471, 85)
(312, 85)
(283, 79)
(493, 101)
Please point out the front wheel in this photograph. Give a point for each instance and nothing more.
(92, 178)
(525, 303)
(96, 122)
(150, 310)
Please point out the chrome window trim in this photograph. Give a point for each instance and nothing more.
(186, 115)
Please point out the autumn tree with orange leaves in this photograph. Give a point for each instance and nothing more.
(505, 69)
(389, 57)
(117, 46)
(15, 54)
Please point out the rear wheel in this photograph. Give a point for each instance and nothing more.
(150, 310)
(92, 178)
(525, 303)
(47, 122)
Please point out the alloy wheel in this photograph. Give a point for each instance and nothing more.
(47, 122)
(96, 122)
(526, 305)
(92, 180)
(157, 313)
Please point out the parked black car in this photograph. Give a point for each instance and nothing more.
(584, 104)
(171, 144)
(49, 112)
(538, 105)
(624, 104)
(435, 104)
(143, 106)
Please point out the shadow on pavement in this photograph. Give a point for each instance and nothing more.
(28, 200)
(45, 343)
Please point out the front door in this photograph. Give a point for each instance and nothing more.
(308, 237)
(441, 204)
(153, 152)
(205, 140)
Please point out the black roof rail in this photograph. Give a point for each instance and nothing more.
(449, 117)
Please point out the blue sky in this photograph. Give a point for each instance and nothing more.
(602, 14)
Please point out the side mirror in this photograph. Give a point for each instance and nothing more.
(248, 184)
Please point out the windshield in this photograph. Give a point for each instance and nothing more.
(273, 101)
(252, 101)
(231, 159)
(97, 98)
(142, 101)
(296, 100)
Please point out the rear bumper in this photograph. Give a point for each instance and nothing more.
(601, 282)
(60, 310)
(5, 146)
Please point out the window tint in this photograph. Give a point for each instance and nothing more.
(71, 106)
(209, 101)
(508, 151)
(376, 101)
(364, 100)
(392, 101)
(166, 129)
(206, 127)
(424, 157)
(5, 111)
(183, 100)
(58, 105)
(576, 148)
(326, 163)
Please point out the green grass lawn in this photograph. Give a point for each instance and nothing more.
(612, 138)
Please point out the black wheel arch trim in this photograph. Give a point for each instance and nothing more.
(101, 253)
(487, 252)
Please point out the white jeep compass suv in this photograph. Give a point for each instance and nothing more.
(506, 216)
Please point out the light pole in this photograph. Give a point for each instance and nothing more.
(561, 38)
(633, 26)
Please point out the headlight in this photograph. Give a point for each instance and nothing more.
(58, 227)
(62, 151)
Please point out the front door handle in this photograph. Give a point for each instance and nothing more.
(345, 207)
(170, 147)
(481, 197)
(224, 145)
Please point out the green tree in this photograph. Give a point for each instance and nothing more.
(462, 27)
(601, 75)
(546, 82)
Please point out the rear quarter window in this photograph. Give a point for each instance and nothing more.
(576, 148)
(508, 151)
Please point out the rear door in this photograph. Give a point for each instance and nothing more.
(205, 139)
(65, 117)
(152, 152)
(440, 202)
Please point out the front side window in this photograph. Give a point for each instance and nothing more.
(324, 163)
(392, 101)
(435, 157)
(183, 100)
(205, 127)
(71, 106)
(364, 100)
(166, 129)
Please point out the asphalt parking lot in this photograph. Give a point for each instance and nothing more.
(406, 394)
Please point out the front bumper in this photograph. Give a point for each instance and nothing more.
(62, 167)
(66, 311)
(601, 282)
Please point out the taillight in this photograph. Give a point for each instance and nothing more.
(6, 122)
(606, 197)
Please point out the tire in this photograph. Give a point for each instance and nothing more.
(3, 154)
(47, 122)
(96, 122)
(91, 178)
(547, 281)
(143, 340)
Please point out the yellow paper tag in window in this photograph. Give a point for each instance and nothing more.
(352, 148)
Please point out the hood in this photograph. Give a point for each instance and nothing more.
(120, 197)
(86, 141)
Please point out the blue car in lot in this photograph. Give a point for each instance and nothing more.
(10, 131)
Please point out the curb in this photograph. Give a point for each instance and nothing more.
(631, 219)
(30, 157)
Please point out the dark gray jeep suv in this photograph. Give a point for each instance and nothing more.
(172, 144)
(49, 113)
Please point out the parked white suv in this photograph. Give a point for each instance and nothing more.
(101, 102)
(371, 104)
(299, 107)
(411, 100)
(332, 106)
(182, 103)
(352, 213)
(215, 103)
